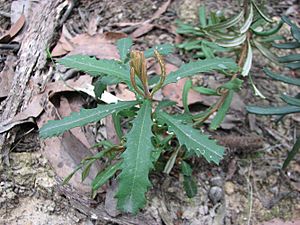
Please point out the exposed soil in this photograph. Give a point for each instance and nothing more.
(247, 188)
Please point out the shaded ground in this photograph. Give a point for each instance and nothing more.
(248, 187)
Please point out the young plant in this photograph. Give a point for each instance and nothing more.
(238, 34)
(292, 103)
(150, 129)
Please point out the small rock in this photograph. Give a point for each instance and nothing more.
(216, 194)
(216, 181)
(203, 210)
(229, 188)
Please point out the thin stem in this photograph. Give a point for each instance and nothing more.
(132, 79)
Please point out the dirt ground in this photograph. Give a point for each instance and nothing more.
(247, 188)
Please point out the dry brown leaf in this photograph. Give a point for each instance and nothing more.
(36, 106)
(98, 45)
(63, 45)
(146, 26)
(143, 29)
(124, 93)
(14, 30)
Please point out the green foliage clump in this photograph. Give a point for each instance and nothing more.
(151, 129)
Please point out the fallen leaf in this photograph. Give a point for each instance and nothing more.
(146, 26)
(37, 103)
(14, 30)
(123, 93)
(98, 45)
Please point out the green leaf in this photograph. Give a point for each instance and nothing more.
(201, 66)
(186, 169)
(288, 45)
(256, 91)
(171, 162)
(293, 66)
(232, 42)
(207, 51)
(289, 58)
(116, 118)
(86, 169)
(217, 120)
(294, 29)
(266, 52)
(202, 16)
(228, 23)
(234, 84)
(165, 103)
(190, 45)
(248, 21)
(99, 88)
(290, 100)
(96, 67)
(282, 78)
(248, 61)
(205, 91)
(269, 32)
(280, 110)
(164, 49)
(103, 176)
(292, 154)
(68, 178)
(265, 17)
(133, 180)
(185, 92)
(85, 116)
(193, 139)
(124, 46)
(190, 186)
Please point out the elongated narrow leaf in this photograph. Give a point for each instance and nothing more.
(294, 29)
(280, 110)
(133, 180)
(265, 17)
(255, 89)
(282, 78)
(292, 153)
(201, 66)
(85, 116)
(190, 186)
(202, 16)
(248, 61)
(124, 46)
(96, 67)
(163, 49)
(290, 100)
(219, 117)
(228, 23)
(185, 92)
(103, 176)
(293, 66)
(205, 91)
(171, 162)
(289, 58)
(193, 139)
(248, 21)
(186, 169)
(288, 45)
(269, 32)
(265, 51)
(232, 42)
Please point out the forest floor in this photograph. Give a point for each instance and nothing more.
(247, 188)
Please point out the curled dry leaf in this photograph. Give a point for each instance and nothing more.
(14, 30)
(98, 45)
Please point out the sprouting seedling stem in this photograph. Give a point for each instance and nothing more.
(163, 73)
